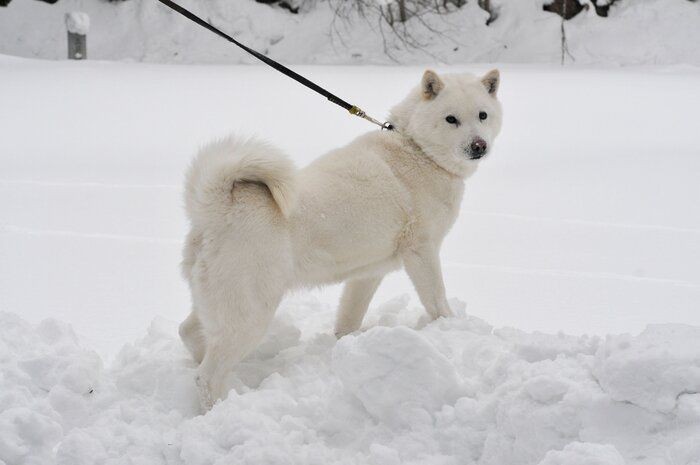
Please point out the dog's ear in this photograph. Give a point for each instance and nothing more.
(491, 81)
(431, 84)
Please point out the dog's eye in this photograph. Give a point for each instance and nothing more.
(452, 120)
(483, 115)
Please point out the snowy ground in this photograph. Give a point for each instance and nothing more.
(584, 220)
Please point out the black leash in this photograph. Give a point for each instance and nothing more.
(354, 110)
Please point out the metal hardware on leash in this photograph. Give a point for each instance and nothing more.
(278, 66)
(357, 111)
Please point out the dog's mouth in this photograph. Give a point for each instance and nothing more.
(477, 156)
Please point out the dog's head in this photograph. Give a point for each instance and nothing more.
(454, 118)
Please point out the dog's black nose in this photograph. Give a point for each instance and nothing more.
(478, 148)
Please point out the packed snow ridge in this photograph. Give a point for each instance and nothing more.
(453, 391)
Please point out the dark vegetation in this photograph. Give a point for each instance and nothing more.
(400, 11)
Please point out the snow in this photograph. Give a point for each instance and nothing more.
(581, 230)
(578, 453)
(635, 32)
(78, 22)
(395, 373)
(453, 392)
(656, 382)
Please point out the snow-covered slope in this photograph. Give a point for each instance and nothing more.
(584, 220)
(636, 32)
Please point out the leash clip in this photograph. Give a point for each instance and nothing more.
(357, 111)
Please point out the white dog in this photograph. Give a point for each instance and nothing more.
(261, 228)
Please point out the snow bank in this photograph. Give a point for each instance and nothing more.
(578, 453)
(635, 32)
(396, 374)
(454, 392)
(638, 370)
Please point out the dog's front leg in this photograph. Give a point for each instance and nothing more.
(193, 337)
(357, 295)
(423, 267)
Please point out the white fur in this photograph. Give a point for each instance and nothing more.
(386, 200)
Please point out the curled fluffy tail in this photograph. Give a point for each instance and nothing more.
(222, 163)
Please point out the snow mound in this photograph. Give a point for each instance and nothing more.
(579, 453)
(46, 387)
(396, 373)
(454, 392)
(652, 370)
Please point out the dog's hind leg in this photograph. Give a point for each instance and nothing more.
(239, 294)
(237, 334)
(191, 328)
(193, 337)
(243, 269)
(357, 295)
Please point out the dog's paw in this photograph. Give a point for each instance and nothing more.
(458, 307)
(206, 399)
(446, 313)
(342, 332)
